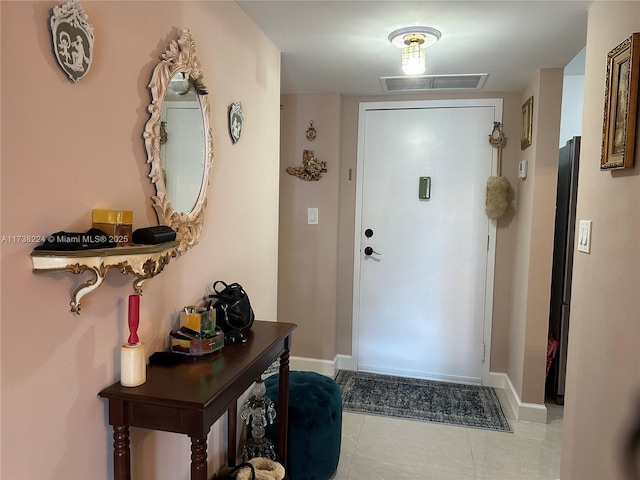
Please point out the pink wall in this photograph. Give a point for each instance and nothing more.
(68, 148)
(309, 253)
(603, 373)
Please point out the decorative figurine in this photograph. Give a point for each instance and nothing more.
(72, 37)
(311, 168)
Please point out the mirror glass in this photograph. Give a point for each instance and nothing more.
(178, 141)
(182, 143)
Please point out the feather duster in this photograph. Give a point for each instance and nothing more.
(498, 188)
(497, 200)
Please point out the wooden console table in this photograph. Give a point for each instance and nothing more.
(188, 398)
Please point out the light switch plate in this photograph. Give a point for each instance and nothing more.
(523, 169)
(584, 236)
(312, 216)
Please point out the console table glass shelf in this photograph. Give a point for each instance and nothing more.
(142, 261)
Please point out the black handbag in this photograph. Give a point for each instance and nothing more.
(234, 314)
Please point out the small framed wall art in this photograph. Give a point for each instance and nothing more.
(621, 105)
(526, 123)
(72, 37)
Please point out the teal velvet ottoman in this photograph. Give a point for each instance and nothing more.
(315, 424)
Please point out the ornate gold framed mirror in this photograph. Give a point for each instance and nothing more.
(178, 141)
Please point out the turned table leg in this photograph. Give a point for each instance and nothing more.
(232, 421)
(198, 458)
(121, 453)
(283, 405)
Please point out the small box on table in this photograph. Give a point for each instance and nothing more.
(203, 321)
(198, 346)
(117, 224)
(197, 333)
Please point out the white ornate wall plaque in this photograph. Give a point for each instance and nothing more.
(236, 119)
(72, 37)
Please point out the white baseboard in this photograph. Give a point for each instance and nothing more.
(528, 412)
(346, 362)
(323, 367)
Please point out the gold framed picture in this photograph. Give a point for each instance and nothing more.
(621, 105)
(526, 123)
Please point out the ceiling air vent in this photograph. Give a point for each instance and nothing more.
(420, 83)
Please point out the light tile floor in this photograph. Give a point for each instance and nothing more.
(375, 447)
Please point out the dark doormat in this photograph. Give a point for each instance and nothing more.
(425, 400)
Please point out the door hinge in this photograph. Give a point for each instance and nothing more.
(487, 243)
(484, 352)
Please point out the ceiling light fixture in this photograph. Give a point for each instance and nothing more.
(414, 41)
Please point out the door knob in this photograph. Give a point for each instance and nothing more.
(368, 251)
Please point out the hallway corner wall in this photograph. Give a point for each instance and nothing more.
(308, 254)
(535, 207)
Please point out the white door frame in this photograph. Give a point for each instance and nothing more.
(496, 103)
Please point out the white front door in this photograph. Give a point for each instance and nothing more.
(422, 297)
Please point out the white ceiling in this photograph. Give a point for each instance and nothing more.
(342, 46)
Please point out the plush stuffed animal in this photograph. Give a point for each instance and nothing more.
(265, 469)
